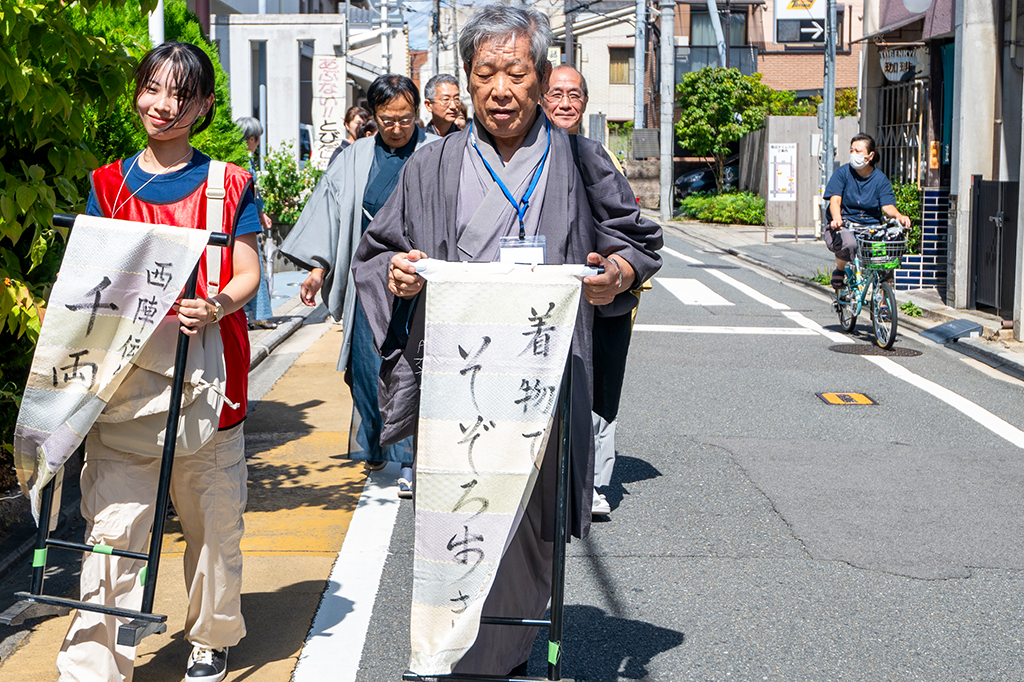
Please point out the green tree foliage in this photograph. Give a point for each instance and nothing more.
(908, 202)
(119, 134)
(50, 74)
(719, 107)
(785, 103)
(284, 186)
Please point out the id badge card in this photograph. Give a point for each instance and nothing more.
(527, 251)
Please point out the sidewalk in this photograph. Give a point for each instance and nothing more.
(302, 494)
(798, 257)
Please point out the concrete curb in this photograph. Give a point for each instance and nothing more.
(1006, 362)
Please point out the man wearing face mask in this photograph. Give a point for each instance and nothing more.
(860, 194)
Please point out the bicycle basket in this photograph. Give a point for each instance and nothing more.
(880, 254)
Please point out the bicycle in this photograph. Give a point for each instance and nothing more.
(879, 250)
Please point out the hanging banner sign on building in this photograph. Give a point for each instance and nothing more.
(328, 107)
(903, 63)
(782, 172)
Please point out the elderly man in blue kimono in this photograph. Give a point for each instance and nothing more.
(455, 200)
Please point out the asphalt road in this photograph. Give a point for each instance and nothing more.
(759, 533)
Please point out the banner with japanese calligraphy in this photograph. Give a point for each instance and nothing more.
(328, 112)
(496, 341)
(117, 281)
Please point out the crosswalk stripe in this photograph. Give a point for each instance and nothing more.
(691, 291)
(713, 329)
(749, 291)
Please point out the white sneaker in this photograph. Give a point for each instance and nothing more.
(206, 664)
(600, 506)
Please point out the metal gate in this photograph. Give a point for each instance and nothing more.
(901, 108)
(993, 244)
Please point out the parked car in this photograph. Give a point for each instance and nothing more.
(703, 179)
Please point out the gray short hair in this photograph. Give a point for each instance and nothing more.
(502, 22)
(430, 89)
(583, 80)
(251, 127)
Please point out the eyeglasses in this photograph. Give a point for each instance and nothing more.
(556, 96)
(446, 100)
(403, 122)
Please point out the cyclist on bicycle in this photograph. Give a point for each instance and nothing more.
(859, 194)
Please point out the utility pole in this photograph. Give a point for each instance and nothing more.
(570, 46)
(668, 82)
(827, 161)
(435, 46)
(639, 55)
(455, 45)
(156, 24)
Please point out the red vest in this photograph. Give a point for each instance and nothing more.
(191, 212)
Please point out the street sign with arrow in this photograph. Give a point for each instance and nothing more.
(800, 31)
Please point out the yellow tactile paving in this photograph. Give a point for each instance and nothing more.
(302, 493)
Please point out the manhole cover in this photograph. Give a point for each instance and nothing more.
(869, 349)
(712, 266)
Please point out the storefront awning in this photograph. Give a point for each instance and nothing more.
(888, 29)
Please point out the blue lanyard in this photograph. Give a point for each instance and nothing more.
(519, 207)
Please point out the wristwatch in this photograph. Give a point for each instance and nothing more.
(218, 311)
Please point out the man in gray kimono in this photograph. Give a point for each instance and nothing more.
(454, 201)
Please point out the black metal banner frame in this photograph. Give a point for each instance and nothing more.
(554, 624)
(143, 622)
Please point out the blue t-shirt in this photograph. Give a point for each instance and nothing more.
(863, 198)
(169, 188)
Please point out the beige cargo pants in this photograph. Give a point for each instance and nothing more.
(208, 489)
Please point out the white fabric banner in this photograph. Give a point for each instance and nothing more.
(117, 281)
(496, 342)
(328, 108)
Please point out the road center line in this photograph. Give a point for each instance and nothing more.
(707, 329)
(343, 618)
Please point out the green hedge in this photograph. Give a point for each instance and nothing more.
(734, 208)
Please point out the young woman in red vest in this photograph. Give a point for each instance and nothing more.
(166, 183)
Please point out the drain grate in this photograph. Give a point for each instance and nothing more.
(869, 349)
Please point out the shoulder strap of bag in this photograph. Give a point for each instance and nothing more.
(215, 195)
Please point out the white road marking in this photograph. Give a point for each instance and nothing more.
(343, 618)
(740, 286)
(976, 412)
(673, 252)
(749, 291)
(811, 324)
(691, 291)
(707, 329)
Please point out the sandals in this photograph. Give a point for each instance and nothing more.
(838, 278)
(404, 489)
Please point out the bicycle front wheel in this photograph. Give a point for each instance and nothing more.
(885, 311)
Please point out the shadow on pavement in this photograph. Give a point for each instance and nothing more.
(277, 623)
(601, 648)
(627, 470)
